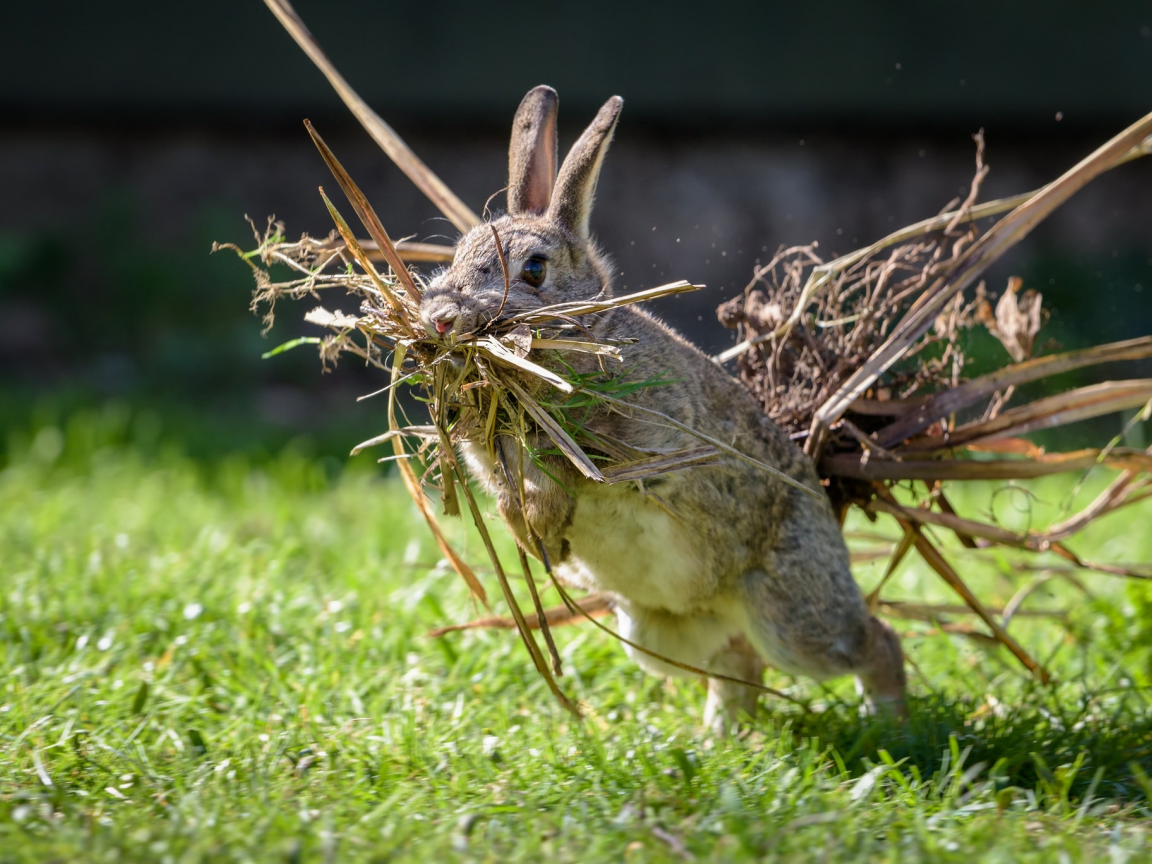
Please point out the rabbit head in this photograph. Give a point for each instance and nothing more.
(545, 239)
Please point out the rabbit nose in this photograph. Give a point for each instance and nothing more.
(443, 324)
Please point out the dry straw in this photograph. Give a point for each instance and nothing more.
(859, 357)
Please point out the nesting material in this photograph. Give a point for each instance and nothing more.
(861, 359)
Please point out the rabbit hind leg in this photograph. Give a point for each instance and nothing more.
(822, 629)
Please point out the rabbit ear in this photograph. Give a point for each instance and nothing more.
(572, 202)
(532, 154)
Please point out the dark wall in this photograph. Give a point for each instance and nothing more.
(678, 63)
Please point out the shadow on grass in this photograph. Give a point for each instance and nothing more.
(1099, 745)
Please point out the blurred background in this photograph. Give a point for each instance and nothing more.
(135, 134)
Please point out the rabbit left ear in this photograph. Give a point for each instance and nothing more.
(576, 187)
(532, 154)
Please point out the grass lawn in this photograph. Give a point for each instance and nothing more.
(226, 660)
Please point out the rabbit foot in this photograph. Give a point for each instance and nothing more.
(881, 679)
(881, 708)
(729, 703)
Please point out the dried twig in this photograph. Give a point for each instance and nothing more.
(937, 562)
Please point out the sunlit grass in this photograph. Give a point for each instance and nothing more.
(227, 660)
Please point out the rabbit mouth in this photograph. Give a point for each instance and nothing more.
(447, 320)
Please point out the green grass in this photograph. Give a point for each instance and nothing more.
(225, 660)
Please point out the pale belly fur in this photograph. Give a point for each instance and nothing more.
(631, 547)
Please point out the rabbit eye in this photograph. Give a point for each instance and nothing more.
(534, 271)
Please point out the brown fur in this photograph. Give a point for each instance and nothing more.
(706, 563)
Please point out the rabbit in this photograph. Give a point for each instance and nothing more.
(720, 566)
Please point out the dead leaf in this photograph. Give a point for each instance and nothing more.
(1018, 320)
(324, 318)
(519, 339)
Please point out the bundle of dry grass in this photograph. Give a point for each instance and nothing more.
(858, 357)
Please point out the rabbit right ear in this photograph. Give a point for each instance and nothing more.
(532, 154)
(572, 204)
